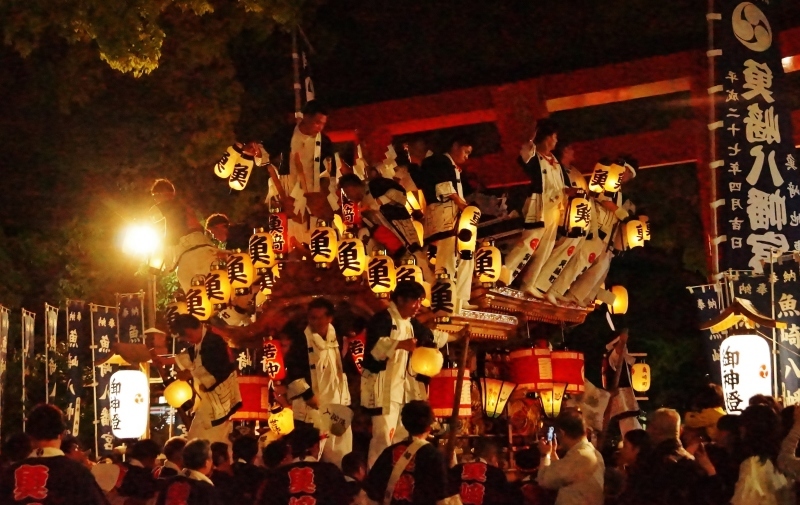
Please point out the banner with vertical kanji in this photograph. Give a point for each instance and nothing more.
(708, 300)
(104, 333)
(753, 287)
(77, 341)
(50, 350)
(756, 160)
(3, 352)
(27, 326)
(787, 294)
(130, 310)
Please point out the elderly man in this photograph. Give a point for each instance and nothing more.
(192, 486)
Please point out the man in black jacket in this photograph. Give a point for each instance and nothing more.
(192, 486)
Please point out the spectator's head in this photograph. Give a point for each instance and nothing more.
(767, 401)
(217, 225)
(354, 466)
(635, 445)
(665, 424)
(276, 453)
(45, 424)
(486, 449)
(546, 137)
(146, 452)
(727, 435)
(16, 448)
(460, 148)
(787, 420)
(71, 447)
(245, 448)
(352, 186)
(570, 428)
(527, 460)
(761, 433)
(162, 190)
(315, 115)
(417, 417)
(220, 457)
(197, 456)
(320, 315)
(408, 297)
(304, 441)
(173, 450)
(188, 328)
(709, 397)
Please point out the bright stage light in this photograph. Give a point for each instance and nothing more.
(140, 240)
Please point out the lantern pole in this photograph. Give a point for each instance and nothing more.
(453, 421)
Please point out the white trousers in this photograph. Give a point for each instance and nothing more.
(460, 271)
(386, 429)
(194, 253)
(201, 427)
(585, 288)
(563, 251)
(587, 254)
(335, 448)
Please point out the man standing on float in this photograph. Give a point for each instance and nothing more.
(543, 210)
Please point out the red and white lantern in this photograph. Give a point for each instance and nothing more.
(442, 393)
(532, 369)
(568, 369)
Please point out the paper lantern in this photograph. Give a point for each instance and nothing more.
(408, 271)
(265, 278)
(568, 369)
(442, 296)
(646, 222)
(355, 348)
(599, 177)
(281, 421)
(218, 287)
(578, 216)
(241, 172)
(351, 213)
(426, 361)
(197, 302)
(177, 393)
(620, 305)
(614, 180)
(442, 393)
(272, 362)
(224, 167)
(640, 377)
(426, 302)
(240, 270)
(487, 264)
(352, 257)
(420, 229)
(468, 232)
(260, 248)
(129, 403)
(746, 363)
(256, 406)
(416, 200)
(634, 233)
(279, 229)
(174, 308)
(551, 400)
(494, 395)
(532, 369)
(381, 275)
(323, 245)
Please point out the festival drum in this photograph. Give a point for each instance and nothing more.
(568, 369)
(532, 369)
(442, 394)
(255, 399)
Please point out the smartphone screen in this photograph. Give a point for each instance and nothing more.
(550, 432)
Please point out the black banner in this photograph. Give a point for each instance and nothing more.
(104, 324)
(130, 323)
(787, 294)
(77, 341)
(708, 300)
(3, 353)
(50, 350)
(756, 156)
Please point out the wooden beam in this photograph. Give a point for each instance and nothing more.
(619, 94)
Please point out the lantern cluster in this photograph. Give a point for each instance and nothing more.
(606, 177)
(551, 374)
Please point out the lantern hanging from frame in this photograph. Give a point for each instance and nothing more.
(323, 245)
(634, 231)
(241, 172)
(578, 215)
(568, 369)
(355, 348)
(620, 305)
(552, 400)
(240, 270)
(351, 213)
(224, 167)
(352, 257)
(532, 369)
(646, 222)
(488, 263)
(129, 400)
(467, 233)
(415, 201)
(614, 181)
(272, 362)
(218, 287)
(381, 274)
(281, 420)
(261, 249)
(494, 395)
(197, 302)
(640, 377)
(441, 393)
(746, 366)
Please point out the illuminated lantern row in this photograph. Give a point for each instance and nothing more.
(746, 364)
(224, 167)
(240, 270)
(634, 233)
(495, 394)
(620, 305)
(218, 287)
(261, 249)
(352, 257)
(242, 170)
(381, 274)
(578, 216)
(606, 177)
(551, 374)
(426, 361)
(129, 400)
(442, 393)
(323, 245)
(487, 264)
(468, 232)
(197, 302)
(640, 377)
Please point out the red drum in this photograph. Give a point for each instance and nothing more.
(442, 393)
(532, 369)
(255, 399)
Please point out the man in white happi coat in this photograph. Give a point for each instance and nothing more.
(388, 382)
(317, 379)
(544, 208)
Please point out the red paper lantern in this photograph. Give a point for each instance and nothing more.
(279, 229)
(532, 369)
(568, 369)
(255, 399)
(355, 348)
(442, 393)
(271, 363)
(351, 213)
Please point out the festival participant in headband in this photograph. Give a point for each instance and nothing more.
(413, 470)
(47, 476)
(301, 162)
(305, 479)
(444, 188)
(207, 361)
(317, 379)
(186, 247)
(192, 486)
(543, 208)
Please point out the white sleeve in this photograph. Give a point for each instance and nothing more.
(384, 348)
(440, 338)
(183, 361)
(527, 153)
(444, 190)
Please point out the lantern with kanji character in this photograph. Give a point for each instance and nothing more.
(634, 231)
(272, 363)
(224, 167)
(241, 172)
(218, 287)
(620, 305)
(260, 248)
(487, 264)
(177, 393)
(494, 395)
(640, 377)
(351, 213)
(746, 364)
(578, 215)
(381, 274)
(279, 229)
(240, 270)
(597, 180)
(352, 257)
(442, 293)
(646, 222)
(323, 245)
(568, 369)
(129, 403)
(552, 399)
(468, 232)
(281, 421)
(355, 348)
(532, 369)
(426, 361)
(614, 181)
(197, 302)
(408, 271)
(442, 393)
(176, 306)
(265, 278)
